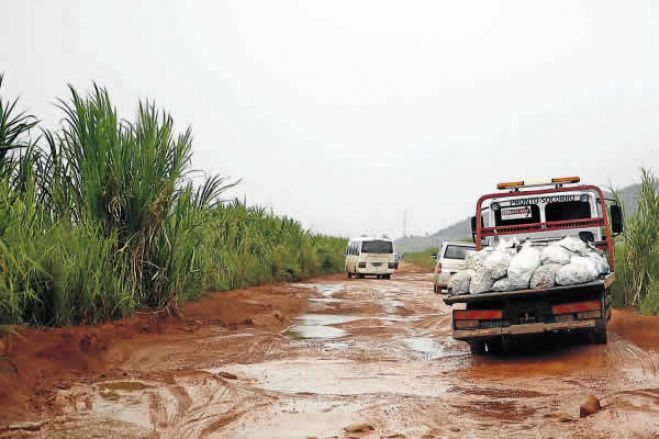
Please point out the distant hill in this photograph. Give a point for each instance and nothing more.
(458, 231)
(629, 198)
(461, 230)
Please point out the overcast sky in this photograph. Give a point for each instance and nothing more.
(344, 114)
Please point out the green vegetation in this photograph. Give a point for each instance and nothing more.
(422, 259)
(637, 253)
(101, 218)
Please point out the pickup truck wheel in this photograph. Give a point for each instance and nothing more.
(598, 336)
(477, 347)
(387, 276)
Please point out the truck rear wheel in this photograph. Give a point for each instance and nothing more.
(598, 336)
(477, 347)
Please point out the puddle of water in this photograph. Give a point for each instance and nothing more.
(317, 326)
(430, 348)
(427, 346)
(124, 402)
(325, 319)
(305, 416)
(314, 331)
(344, 377)
(125, 386)
(326, 300)
(329, 290)
(336, 345)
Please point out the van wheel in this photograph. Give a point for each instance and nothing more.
(477, 347)
(598, 336)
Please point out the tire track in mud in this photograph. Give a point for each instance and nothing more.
(380, 353)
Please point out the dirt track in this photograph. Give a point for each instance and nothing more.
(309, 359)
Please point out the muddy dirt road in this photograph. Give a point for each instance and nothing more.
(310, 359)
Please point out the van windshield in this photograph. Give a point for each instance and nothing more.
(377, 247)
(456, 252)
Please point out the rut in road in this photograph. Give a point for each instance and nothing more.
(377, 352)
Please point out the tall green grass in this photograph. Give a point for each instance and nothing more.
(422, 259)
(637, 253)
(100, 217)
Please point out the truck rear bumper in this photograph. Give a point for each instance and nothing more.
(528, 328)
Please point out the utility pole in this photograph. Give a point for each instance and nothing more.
(404, 223)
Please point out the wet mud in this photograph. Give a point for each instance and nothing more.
(329, 357)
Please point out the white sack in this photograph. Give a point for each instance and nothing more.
(522, 267)
(579, 271)
(476, 260)
(502, 284)
(481, 282)
(555, 254)
(574, 244)
(545, 276)
(497, 263)
(459, 282)
(600, 262)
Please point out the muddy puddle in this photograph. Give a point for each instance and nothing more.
(371, 352)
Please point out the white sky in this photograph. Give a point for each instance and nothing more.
(343, 114)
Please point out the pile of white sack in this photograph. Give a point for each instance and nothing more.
(510, 266)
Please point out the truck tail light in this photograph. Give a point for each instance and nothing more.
(439, 267)
(477, 315)
(577, 307)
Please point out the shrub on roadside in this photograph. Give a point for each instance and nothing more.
(99, 219)
(638, 254)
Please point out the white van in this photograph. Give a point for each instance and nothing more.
(370, 256)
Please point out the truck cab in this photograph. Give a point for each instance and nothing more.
(539, 212)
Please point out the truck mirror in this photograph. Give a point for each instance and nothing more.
(473, 227)
(434, 255)
(616, 219)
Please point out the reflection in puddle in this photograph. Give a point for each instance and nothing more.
(344, 377)
(317, 326)
(314, 331)
(325, 319)
(427, 346)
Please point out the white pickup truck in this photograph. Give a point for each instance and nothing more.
(450, 260)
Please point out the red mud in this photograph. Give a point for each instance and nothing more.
(314, 359)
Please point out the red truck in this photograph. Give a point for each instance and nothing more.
(542, 212)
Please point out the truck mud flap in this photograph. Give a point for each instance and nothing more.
(529, 328)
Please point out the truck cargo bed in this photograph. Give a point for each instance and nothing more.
(600, 284)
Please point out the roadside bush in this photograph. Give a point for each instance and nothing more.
(99, 218)
(638, 261)
(423, 259)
